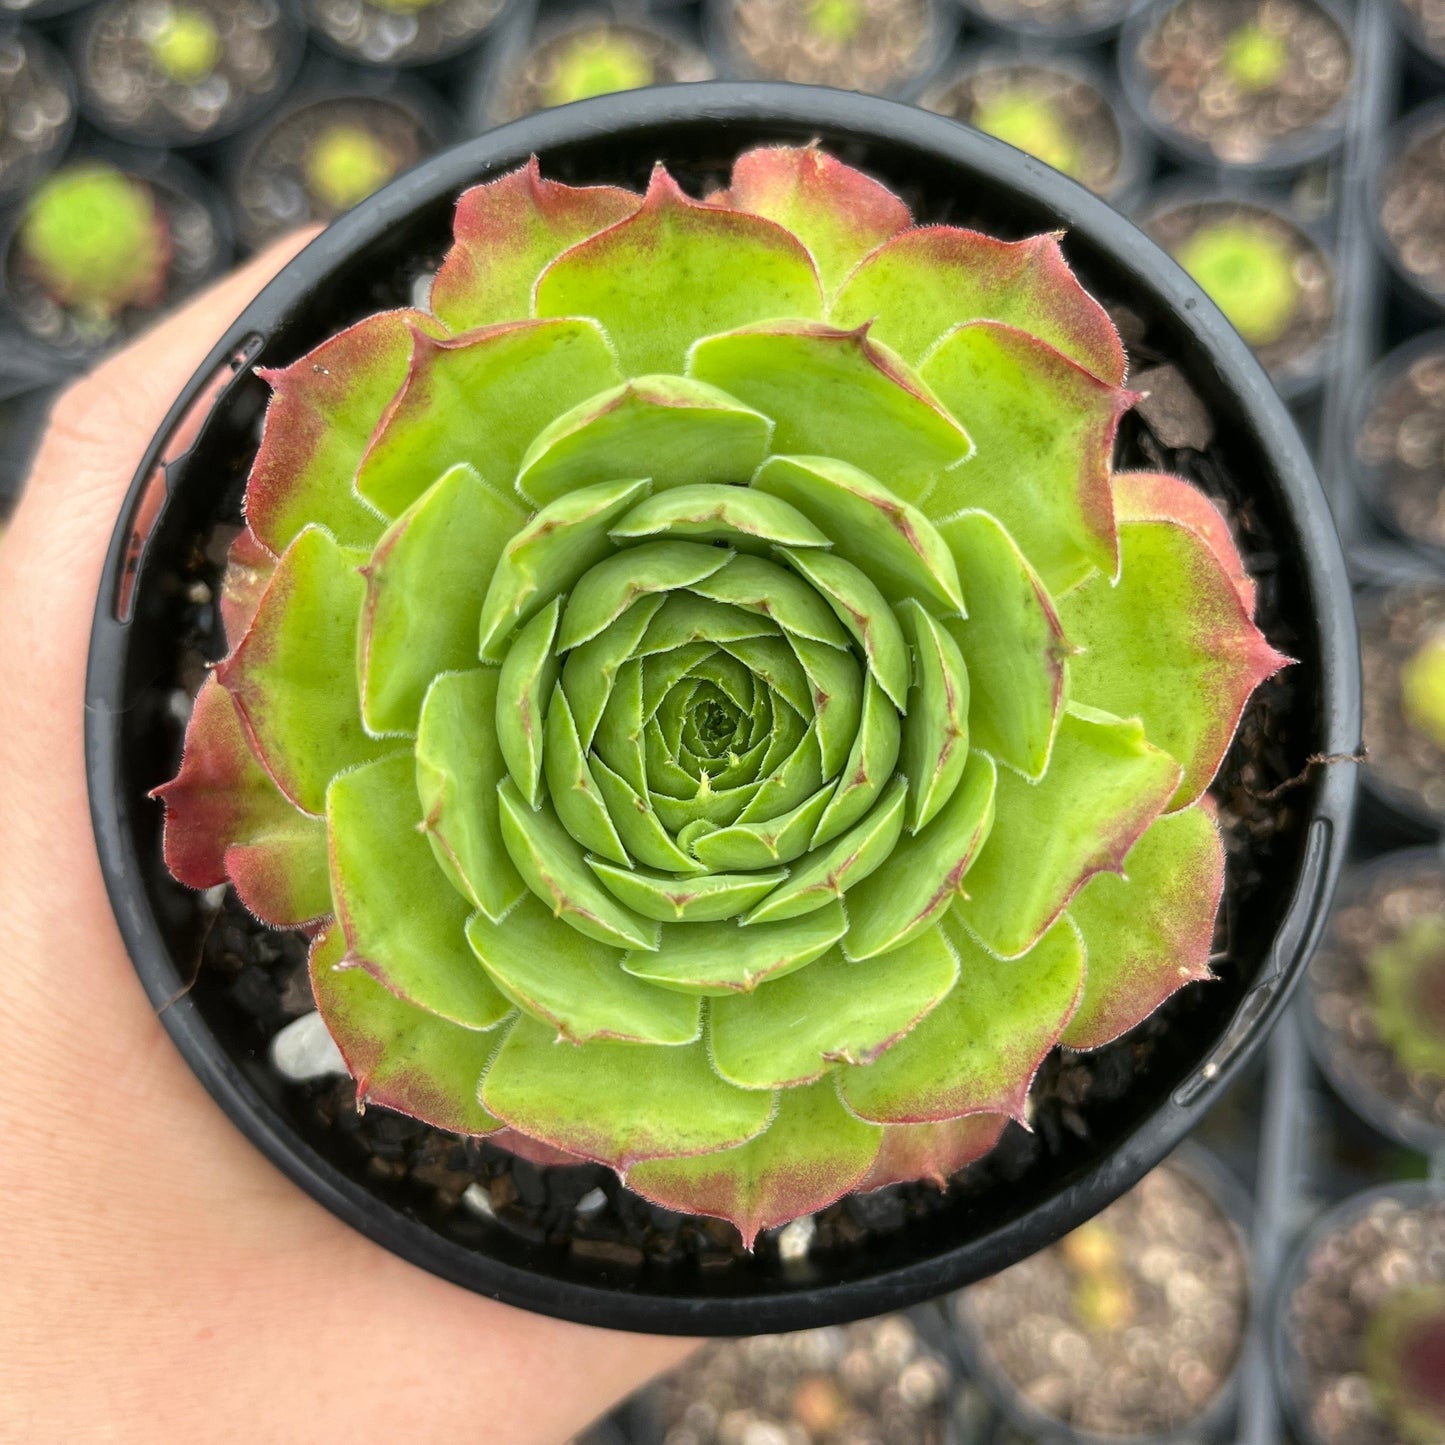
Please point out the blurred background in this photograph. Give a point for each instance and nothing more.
(1282, 1278)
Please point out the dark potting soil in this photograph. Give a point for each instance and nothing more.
(580, 1221)
(36, 109)
(125, 89)
(1084, 114)
(1402, 443)
(198, 251)
(876, 46)
(1348, 1274)
(1131, 1325)
(386, 35)
(1403, 759)
(1195, 90)
(274, 190)
(1429, 17)
(1294, 352)
(541, 79)
(1412, 208)
(1342, 997)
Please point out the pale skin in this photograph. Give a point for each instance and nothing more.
(160, 1281)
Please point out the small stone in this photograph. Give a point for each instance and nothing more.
(476, 1198)
(795, 1240)
(591, 1202)
(303, 1050)
(1173, 410)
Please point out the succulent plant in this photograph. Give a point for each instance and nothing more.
(1407, 990)
(1030, 120)
(185, 44)
(344, 164)
(599, 60)
(1248, 272)
(1405, 1362)
(708, 697)
(95, 239)
(1256, 57)
(1422, 689)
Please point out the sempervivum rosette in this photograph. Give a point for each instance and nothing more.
(691, 681)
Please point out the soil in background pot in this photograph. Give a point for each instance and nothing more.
(401, 32)
(1057, 116)
(595, 56)
(1243, 79)
(876, 1382)
(1130, 1326)
(1273, 282)
(1377, 996)
(878, 46)
(323, 156)
(1412, 207)
(37, 110)
(1402, 632)
(157, 72)
(1428, 19)
(1400, 443)
(1366, 1257)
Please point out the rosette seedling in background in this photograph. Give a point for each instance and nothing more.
(1405, 1362)
(708, 696)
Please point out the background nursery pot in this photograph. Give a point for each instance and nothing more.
(1101, 1120)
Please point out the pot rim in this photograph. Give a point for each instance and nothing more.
(743, 107)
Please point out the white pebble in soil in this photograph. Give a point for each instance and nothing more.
(303, 1050)
(476, 1198)
(591, 1202)
(795, 1240)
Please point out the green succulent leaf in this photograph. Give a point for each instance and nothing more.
(458, 772)
(323, 410)
(1045, 431)
(424, 584)
(1171, 643)
(1011, 1013)
(721, 958)
(293, 675)
(506, 231)
(705, 898)
(405, 924)
(554, 866)
(813, 1152)
(575, 983)
(1012, 644)
(672, 430)
(741, 517)
(227, 821)
(838, 213)
(401, 1056)
(932, 1151)
(1149, 930)
(534, 1083)
(925, 281)
(791, 1030)
(676, 270)
(935, 732)
(925, 872)
(893, 428)
(548, 556)
(900, 547)
(523, 688)
(482, 398)
(1105, 784)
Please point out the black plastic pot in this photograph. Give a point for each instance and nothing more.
(1035, 1187)
(34, 56)
(1071, 32)
(1309, 144)
(1424, 302)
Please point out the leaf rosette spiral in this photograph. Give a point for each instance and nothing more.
(709, 697)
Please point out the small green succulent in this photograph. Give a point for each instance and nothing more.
(836, 20)
(598, 61)
(1248, 271)
(1422, 689)
(1032, 122)
(185, 44)
(1407, 986)
(95, 240)
(344, 164)
(1405, 1362)
(708, 696)
(1256, 57)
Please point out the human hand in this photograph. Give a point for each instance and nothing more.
(161, 1280)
